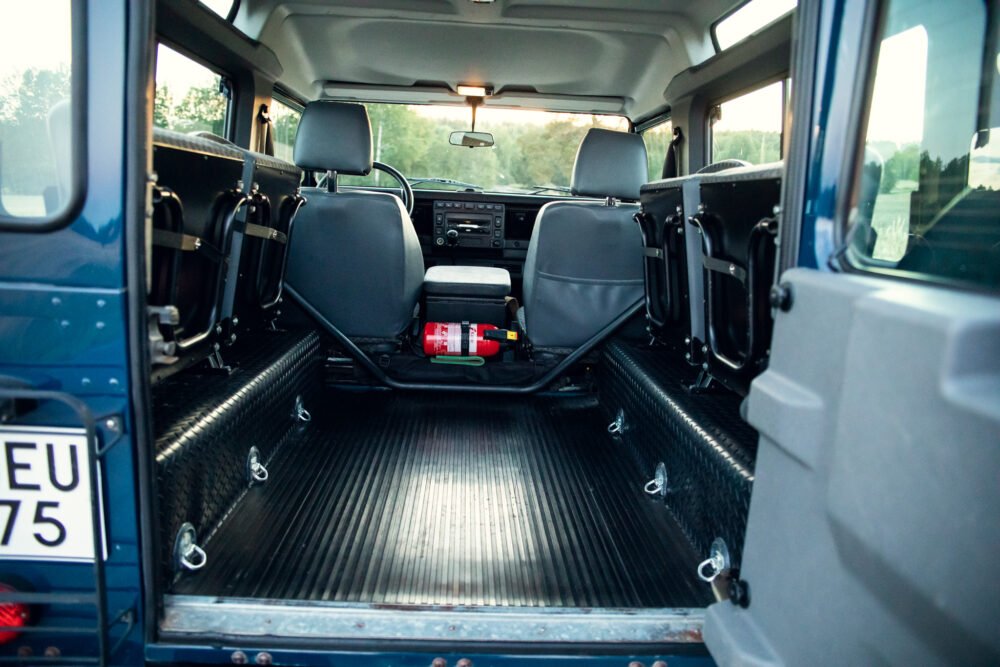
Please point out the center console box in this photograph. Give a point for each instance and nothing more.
(466, 294)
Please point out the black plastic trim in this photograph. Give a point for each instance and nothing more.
(140, 71)
(79, 71)
(798, 132)
(278, 94)
(653, 121)
(233, 11)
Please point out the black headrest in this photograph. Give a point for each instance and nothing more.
(610, 164)
(334, 136)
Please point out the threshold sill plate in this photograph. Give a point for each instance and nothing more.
(199, 617)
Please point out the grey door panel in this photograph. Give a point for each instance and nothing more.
(874, 524)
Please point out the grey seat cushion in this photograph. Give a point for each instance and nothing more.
(484, 281)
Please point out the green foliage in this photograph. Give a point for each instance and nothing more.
(163, 104)
(902, 165)
(32, 94)
(753, 146)
(27, 160)
(657, 140)
(202, 109)
(526, 155)
(286, 124)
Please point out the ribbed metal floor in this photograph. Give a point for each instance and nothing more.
(405, 499)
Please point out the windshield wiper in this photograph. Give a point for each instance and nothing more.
(538, 189)
(446, 181)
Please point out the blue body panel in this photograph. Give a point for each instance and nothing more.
(63, 328)
(838, 43)
(392, 658)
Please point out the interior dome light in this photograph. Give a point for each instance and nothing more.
(472, 91)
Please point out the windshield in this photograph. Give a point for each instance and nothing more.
(534, 150)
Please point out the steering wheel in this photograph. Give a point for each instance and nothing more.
(404, 184)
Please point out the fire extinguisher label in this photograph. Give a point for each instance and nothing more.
(454, 333)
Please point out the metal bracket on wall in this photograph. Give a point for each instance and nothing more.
(299, 412)
(617, 427)
(716, 563)
(162, 351)
(256, 472)
(658, 485)
(187, 554)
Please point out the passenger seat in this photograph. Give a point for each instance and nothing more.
(584, 266)
(354, 258)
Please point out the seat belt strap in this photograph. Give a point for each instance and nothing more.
(266, 233)
(728, 268)
(185, 243)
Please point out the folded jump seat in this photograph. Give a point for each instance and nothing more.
(195, 203)
(710, 261)
(221, 221)
(738, 224)
(260, 246)
(675, 296)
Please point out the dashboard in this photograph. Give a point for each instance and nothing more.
(477, 229)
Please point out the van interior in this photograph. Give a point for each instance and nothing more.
(411, 332)
(421, 410)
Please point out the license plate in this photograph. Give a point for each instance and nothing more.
(45, 505)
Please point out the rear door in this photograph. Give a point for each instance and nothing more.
(874, 526)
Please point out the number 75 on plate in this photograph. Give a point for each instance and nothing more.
(45, 500)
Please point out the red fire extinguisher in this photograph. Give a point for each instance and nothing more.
(464, 339)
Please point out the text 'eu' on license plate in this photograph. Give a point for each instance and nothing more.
(45, 501)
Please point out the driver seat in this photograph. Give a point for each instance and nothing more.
(354, 256)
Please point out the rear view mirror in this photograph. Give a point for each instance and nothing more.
(471, 139)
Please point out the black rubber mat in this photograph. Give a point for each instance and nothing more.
(409, 499)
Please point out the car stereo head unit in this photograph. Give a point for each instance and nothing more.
(468, 224)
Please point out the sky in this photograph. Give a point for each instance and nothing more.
(34, 34)
(178, 73)
(758, 110)
(37, 33)
(900, 84)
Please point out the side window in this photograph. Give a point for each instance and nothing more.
(748, 127)
(220, 7)
(286, 122)
(747, 19)
(189, 96)
(927, 187)
(40, 166)
(657, 140)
